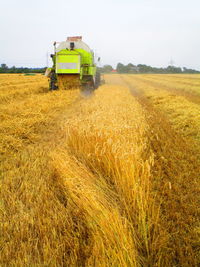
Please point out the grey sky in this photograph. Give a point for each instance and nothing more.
(137, 31)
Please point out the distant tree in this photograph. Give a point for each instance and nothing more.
(144, 68)
(4, 66)
(185, 70)
(130, 68)
(13, 70)
(121, 68)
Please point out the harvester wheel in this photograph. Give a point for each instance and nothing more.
(97, 80)
(53, 81)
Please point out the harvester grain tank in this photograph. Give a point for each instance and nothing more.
(73, 66)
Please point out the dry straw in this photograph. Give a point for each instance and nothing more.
(90, 181)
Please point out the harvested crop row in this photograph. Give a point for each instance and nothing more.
(17, 87)
(176, 171)
(23, 121)
(192, 80)
(18, 92)
(183, 114)
(180, 86)
(19, 79)
(110, 142)
(30, 208)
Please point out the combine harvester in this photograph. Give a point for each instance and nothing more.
(73, 66)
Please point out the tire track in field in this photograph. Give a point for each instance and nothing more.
(176, 179)
(179, 80)
(191, 96)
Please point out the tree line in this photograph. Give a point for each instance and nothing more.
(121, 68)
(142, 68)
(5, 69)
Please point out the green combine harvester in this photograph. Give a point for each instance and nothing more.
(73, 66)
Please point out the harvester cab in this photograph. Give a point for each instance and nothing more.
(73, 66)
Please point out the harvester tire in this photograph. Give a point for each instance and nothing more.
(53, 81)
(97, 80)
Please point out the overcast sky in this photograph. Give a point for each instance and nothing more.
(137, 31)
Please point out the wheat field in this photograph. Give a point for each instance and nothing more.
(107, 179)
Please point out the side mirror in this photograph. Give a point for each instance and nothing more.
(99, 58)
